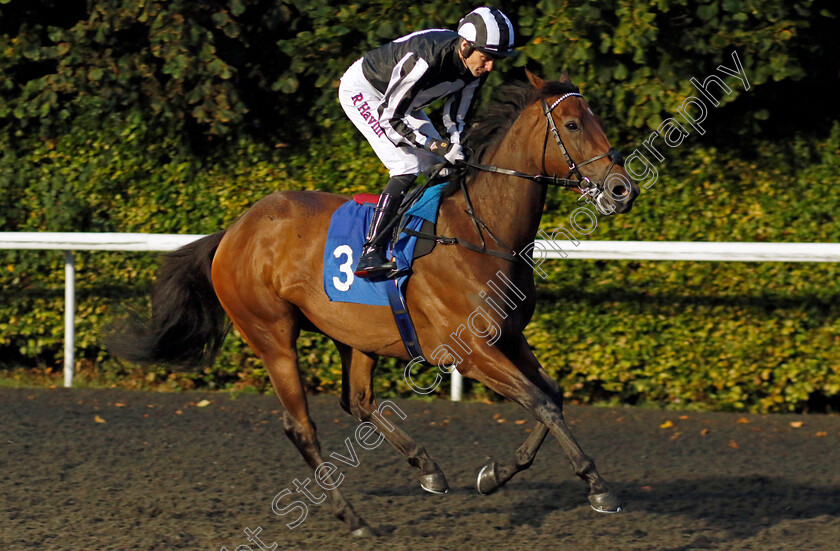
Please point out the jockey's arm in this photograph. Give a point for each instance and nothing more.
(456, 108)
(398, 100)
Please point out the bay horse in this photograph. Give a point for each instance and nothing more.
(264, 273)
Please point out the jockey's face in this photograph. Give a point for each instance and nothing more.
(477, 63)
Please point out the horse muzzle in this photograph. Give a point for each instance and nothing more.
(615, 195)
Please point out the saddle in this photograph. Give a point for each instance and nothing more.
(406, 210)
(345, 240)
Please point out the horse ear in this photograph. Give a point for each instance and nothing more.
(564, 77)
(535, 81)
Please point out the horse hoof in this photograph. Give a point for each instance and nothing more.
(434, 483)
(487, 482)
(364, 532)
(605, 503)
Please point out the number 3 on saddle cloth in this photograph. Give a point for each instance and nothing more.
(345, 239)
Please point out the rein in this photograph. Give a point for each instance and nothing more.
(538, 178)
(479, 225)
(551, 127)
(582, 184)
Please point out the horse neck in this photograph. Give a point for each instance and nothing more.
(510, 206)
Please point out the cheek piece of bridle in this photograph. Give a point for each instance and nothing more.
(582, 183)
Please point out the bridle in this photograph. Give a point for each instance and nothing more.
(613, 154)
(583, 184)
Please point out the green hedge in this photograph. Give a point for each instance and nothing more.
(725, 335)
(174, 117)
(214, 70)
(754, 336)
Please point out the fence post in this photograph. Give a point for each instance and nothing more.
(69, 316)
(457, 381)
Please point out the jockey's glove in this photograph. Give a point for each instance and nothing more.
(450, 151)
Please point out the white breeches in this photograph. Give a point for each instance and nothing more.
(361, 102)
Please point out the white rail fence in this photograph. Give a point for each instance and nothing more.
(599, 250)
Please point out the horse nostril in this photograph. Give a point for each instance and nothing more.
(619, 190)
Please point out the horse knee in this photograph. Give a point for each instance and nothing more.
(548, 412)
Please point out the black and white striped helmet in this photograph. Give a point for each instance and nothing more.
(488, 30)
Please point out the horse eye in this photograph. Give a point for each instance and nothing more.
(572, 126)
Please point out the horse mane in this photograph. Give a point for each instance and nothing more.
(492, 123)
(507, 102)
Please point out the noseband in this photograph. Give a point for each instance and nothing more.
(582, 183)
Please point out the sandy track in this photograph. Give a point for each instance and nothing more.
(149, 477)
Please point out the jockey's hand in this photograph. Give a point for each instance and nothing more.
(452, 152)
(455, 154)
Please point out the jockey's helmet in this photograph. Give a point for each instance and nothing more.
(488, 30)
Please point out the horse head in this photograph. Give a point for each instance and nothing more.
(575, 145)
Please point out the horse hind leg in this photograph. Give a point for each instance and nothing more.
(274, 341)
(357, 399)
(307, 443)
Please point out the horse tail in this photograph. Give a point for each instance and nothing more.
(187, 325)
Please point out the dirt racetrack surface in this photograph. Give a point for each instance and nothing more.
(108, 469)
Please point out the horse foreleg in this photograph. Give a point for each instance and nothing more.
(493, 475)
(521, 379)
(358, 400)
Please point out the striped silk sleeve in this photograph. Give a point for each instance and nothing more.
(401, 91)
(456, 109)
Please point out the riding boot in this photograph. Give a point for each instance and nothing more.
(373, 261)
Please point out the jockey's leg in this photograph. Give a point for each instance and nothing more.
(360, 102)
(373, 261)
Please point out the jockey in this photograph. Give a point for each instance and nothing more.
(384, 94)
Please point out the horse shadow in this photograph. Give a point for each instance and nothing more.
(741, 506)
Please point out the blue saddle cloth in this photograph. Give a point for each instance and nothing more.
(346, 237)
